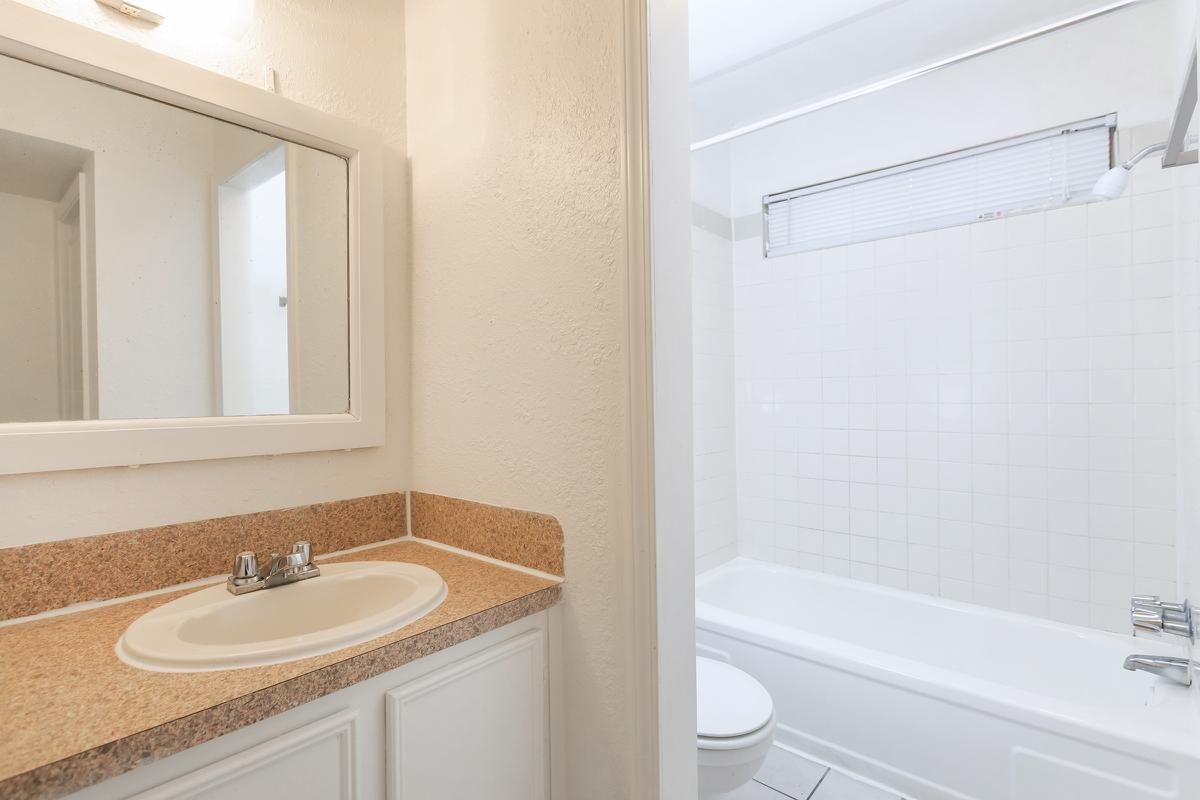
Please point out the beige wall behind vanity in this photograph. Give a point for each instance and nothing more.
(347, 75)
(520, 319)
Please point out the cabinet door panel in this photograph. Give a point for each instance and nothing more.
(475, 730)
(314, 762)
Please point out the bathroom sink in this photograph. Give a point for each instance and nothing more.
(346, 604)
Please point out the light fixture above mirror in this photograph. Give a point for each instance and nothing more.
(138, 12)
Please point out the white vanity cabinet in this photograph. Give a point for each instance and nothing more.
(474, 729)
(467, 723)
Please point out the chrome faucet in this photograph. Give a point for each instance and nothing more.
(1177, 670)
(294, 566)
(1149, 613)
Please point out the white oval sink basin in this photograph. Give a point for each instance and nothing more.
(347, 604)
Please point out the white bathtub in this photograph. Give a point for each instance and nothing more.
(939, 699)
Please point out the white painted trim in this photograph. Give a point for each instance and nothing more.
(216, 363)
(291, 169)
(342, 726)
(667, 207)
(533, 641)
(908, 75)
(55, 43)
(556, 699)
(87, 288)
(641, 597)
(70, 327)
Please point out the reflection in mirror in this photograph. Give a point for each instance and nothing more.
(159, 263)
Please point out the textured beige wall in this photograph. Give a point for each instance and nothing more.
(520, 340)
(344, 58)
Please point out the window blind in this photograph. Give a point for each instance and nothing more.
(1038, 171)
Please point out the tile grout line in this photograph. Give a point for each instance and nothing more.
(816, 788)
(779, 792)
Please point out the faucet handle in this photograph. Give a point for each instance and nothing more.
(1146, 618)
(305, 549)
(1149, 613)
(1146, 612)
(245, 567)
(1153, 601)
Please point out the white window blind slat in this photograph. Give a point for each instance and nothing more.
(1039, 171)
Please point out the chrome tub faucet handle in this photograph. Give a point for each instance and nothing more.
(1148, 613)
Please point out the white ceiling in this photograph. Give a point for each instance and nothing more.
(755, 58)
(38, 168)
(725, 33)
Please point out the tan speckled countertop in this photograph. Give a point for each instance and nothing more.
(72, 713)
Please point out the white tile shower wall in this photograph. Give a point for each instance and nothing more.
(985, 412)
(712, 371)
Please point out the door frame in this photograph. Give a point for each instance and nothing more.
(75, 208)
(658, 205)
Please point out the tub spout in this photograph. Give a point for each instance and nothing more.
(1178, 670)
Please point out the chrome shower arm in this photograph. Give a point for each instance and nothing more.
(1145, 151)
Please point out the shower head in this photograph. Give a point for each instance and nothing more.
(1113, 183)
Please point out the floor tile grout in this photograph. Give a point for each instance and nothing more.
(820, 780)
(788, 775)
(776, 791)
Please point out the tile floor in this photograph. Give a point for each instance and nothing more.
(786, 776)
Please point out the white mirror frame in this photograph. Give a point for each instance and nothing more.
(48, 41)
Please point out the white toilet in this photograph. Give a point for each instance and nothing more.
(735, 725)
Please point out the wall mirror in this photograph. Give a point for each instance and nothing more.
(162, 263)
(183, 255)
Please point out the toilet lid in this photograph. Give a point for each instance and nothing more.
(728, 701)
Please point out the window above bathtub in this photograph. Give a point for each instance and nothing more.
(1038, 171)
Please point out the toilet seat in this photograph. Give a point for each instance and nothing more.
(733, 710)
(750, 740)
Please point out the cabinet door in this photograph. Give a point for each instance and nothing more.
(314, 762)
(475, 730)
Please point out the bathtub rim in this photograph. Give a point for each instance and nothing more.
(1178, 706)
